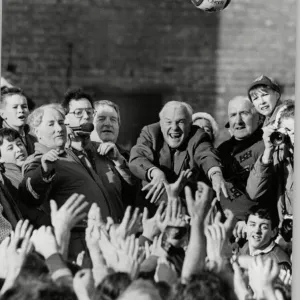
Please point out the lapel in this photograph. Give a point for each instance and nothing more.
(165, 156)
(179, 158)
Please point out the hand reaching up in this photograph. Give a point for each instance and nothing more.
(65, 218)
(199, 207)
(131, 224)
(174, 215)
(44, 241)
(83, 284)
(174, 189)
(262, 274)
(14, 254)
(69, 214)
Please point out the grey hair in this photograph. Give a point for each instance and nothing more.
(177, 104)
(240, 98)
(108, 103)
(35, 118)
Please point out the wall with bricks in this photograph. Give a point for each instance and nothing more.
(165, 48)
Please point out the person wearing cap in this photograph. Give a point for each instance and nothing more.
(207, 123)
(239, 153)
(273, 172)
(265, 94)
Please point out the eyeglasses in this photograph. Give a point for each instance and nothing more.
(78, 113)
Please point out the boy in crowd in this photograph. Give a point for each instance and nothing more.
(12, 156)
(265, 96)
(262, 230)
(14, 112)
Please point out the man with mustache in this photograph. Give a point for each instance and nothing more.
(172, 145)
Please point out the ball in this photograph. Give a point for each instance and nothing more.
(211, 5)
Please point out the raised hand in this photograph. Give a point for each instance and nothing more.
(48, 160)
(129, 258)
(131, 224)
(83, 284)
(69, 214)
(199, 207)
(95, 217)
(262, 274)
(240, 230)
(155, 187)
(219, 184)
(174, 189)
(65, 218)
(15, 254)
(150, 226)
(44, 241)
(174, 215)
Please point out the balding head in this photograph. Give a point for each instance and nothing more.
(243, 117)
(176, 122)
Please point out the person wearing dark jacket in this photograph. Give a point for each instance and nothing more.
(173, 145)
(239, 154)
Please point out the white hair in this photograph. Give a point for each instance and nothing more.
(177, 104)
(212, 121)
(245, 98)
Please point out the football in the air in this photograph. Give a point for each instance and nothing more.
(211, 5)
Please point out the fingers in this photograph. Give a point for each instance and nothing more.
(145, 215)
(158, 191)
(53, 207)
(189, 200)
(224, 189)
(126, 217)
(147, 186)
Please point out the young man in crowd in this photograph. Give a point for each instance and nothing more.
(14, 112)
(265, 94)
(12, 157)
(262, 229)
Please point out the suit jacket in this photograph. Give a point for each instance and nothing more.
(196, 153)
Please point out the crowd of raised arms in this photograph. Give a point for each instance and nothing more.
(176, 217)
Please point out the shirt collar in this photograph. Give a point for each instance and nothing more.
(264, 251)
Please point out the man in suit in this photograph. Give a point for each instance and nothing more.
(166, 148)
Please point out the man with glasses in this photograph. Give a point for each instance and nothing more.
(110, 167)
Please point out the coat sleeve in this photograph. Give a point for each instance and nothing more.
(34, 187)
(205, 155)
(260, 179)
(142, 155)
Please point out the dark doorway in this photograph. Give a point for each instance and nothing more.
(137, 109)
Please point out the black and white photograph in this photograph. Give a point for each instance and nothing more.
(147, 149)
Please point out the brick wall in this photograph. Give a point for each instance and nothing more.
(133, 45)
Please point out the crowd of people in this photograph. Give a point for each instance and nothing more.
(176, 217)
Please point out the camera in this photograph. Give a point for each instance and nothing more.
(277, 138)
(286, 229)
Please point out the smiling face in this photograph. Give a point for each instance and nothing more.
(175, 125)
(243, 120)
(13, 152)
(15, 111)
(264, 99)
(52, 130)
(107, 123)
(259, 232)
